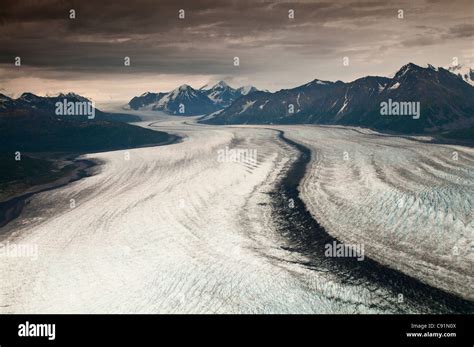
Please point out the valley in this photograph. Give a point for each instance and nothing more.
(180, 229)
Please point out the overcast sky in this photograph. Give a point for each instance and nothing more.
(86, 54)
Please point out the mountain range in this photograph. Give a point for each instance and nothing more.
(224, 95)
(446, 101)
(31, 105)
(30, 123)
(445, 97)
(187, 101)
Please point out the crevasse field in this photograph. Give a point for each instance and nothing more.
(173, 229)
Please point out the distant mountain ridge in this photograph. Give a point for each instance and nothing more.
(187, 101)
(31, 105)
(223, 95)
(446, 102)
(30, 123)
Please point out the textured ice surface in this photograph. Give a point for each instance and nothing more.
(173, 229)
(410, 203)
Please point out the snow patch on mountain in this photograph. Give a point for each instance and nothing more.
(245, 90)
(317, 82)
(247, 105)
(464, 71)
(394, 86)
(263, 105)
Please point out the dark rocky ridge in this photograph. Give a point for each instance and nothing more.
(446, 103)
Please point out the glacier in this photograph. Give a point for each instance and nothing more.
(172, 229)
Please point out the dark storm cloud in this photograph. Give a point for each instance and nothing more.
(462, 30)
(433, 36)
(214, 31)
(420, 40)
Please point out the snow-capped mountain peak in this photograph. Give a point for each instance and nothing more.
(317, 82)
(463, 71)
(358, 102)
(183, 100)
(221, 84)
(406, 68)
(183, 91)
(184, 87)
(223, 95)
(205, 99)
(246, 90)
(28, 97)
(72, 96)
